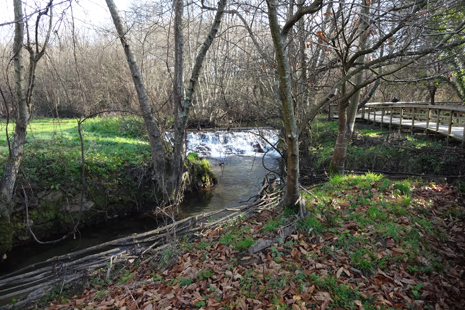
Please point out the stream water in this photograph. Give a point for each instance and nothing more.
(237, 160)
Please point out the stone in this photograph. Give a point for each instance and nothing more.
(75, 207)
(53, 196)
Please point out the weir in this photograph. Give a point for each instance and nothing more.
(237, 158)
(224, 143)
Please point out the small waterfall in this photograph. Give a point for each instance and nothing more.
(220, 144)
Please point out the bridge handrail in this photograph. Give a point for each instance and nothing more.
(417, 106)
(413, 102)
(450, 116)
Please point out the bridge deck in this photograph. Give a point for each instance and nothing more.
(456, 131)
(418, 115)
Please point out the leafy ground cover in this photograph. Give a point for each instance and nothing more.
(369, 243)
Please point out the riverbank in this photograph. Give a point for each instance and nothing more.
(119, 179)
(368, 243)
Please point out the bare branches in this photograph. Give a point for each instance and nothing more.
(312, 8)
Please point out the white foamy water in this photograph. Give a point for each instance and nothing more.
(221, 144)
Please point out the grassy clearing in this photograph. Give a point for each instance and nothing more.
(370, 243)
(52, 152)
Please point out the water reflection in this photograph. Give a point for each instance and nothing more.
(239, 178)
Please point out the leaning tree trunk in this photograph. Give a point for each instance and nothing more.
(154, 135)
(10, 172)
(285, 96)
(183, 106)
(363, 40)
(16, 149)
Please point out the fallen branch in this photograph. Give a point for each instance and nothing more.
(263, 244)
(72, 266)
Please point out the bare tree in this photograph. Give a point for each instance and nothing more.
(24, 91)
(406, 30)
(280, 36)
(183, 105)
(153, 132)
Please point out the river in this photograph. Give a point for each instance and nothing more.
(237, 161)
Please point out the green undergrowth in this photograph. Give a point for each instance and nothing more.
(373, 148)
(119, 174)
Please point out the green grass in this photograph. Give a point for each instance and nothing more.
(373, 206)
(372, 132)
(273, 225)
(53, 148)
(376, 155)
(239, 239)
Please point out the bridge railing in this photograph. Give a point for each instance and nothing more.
(434, 115)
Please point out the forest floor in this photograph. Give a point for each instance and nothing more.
(369, 243)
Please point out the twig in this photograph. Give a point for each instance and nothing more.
(111, 264)
(135, 302)
(29, 225)
(308, 192)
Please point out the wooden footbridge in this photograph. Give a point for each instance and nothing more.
(448, 120)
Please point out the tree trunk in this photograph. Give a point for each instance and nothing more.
(183, 106)
(343, 136)
(363, 40)
(155, 139)
(10, 172)
(179, 127)
(285, 96)
(432, 93)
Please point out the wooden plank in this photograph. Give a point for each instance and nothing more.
(449, 130)
(413, 121)
(390, 119)
(428, 113)
(382, 118)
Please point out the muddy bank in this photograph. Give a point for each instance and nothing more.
(55, 212)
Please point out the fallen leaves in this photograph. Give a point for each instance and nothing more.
(309, 270)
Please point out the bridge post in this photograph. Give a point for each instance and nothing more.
(400, 119)
(363, 112)
(449, 130)
(428, 111)
(437, 120)
(382, 117)
(390, 119)
(413, 121)
(463, 136)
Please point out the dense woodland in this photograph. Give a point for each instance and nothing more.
(276, 63)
